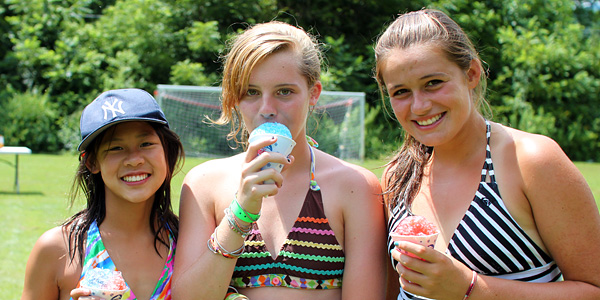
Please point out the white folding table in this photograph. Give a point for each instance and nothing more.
(16, 150)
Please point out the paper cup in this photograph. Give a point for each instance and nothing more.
(107, 294)
(283, 145)
(425, 240)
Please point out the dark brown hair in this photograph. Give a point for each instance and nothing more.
(162, 217)
(427, 26)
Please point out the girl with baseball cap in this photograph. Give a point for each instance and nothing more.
(127, 160)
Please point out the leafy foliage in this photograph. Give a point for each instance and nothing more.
(543, 57)
(30, 121)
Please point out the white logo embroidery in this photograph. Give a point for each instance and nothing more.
(107, 106)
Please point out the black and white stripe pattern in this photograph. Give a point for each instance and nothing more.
(488, 240)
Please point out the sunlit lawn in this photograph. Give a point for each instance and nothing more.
(45, 181)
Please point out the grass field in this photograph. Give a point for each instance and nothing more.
(45, 181)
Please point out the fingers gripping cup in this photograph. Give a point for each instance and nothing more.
(283, 145)
(105, 283)
(415, 229)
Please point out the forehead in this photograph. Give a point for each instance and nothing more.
(279, 66)
(130, 128)
(417, 58)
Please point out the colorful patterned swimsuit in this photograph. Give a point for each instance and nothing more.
(488, 240)
(96, 256)
(310, 258)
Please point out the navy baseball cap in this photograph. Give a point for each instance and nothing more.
(117, 106)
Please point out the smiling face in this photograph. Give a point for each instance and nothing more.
(278, 92)
(131, 161)
(431, 96)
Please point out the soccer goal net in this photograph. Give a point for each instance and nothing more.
(336, 123)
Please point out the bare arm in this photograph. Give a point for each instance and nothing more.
(207, 190)
(392, 280)
(41, 280)
(364, 233)
(566, 215)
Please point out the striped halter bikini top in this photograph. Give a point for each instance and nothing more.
(488, 240)
(310, 258)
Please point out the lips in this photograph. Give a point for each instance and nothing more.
(135, 178)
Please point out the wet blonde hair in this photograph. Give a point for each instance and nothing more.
(250, 48)
(423, 27)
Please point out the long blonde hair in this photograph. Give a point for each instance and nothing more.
(250, 48)
(427, 26)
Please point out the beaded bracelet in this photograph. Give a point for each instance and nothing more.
(471, 286)
(243, 215)
(215, 247)
(235, 226)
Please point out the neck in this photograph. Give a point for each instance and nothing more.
(465, 147)
(128, 217)
(301, 154)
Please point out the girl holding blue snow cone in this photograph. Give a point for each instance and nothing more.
(315, 229)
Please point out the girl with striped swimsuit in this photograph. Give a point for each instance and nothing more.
(516, 218)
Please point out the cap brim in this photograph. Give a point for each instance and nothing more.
(90, 137)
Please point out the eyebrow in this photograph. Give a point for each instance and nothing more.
(277, 86)
(422, 78)
(141, 135)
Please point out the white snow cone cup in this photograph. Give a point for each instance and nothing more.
(107, 294)
(283, 145)
(105, 284)
(417, 230)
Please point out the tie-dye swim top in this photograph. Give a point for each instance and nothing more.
(96, 256)
(310, 258)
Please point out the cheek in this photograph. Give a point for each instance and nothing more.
(400, 108)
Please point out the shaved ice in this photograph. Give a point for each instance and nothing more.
(416, 225)
(104, 279)
(271, 128)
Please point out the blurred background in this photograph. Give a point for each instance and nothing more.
(57, 55)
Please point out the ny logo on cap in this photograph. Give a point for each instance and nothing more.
(107, 106)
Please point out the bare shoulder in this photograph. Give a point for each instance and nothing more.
(49, 269)
(344, 173)
(536, 152)
(542, 163)
(52, 243)
(212, 172)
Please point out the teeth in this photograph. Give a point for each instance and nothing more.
(135, 178)
(429, 121)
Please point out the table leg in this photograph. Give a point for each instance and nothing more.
(17, 172)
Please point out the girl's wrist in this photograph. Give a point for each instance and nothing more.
(471, 286)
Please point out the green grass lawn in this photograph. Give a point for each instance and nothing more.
(45, 181)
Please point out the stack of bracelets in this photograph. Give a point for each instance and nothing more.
(233, 213)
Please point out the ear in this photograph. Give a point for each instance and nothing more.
(91, 165)
(315, 92)
(474, 73)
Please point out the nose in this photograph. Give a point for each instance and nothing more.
(134, 158)
(421, 104)
(268, 108)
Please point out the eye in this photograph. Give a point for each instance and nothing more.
(285, 92)
(147, 144)
(399, 92)
(252, 92)
(434, 82)
(114, 148)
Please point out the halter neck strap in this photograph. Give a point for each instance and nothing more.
(313, 144)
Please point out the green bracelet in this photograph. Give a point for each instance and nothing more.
(243, 215)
